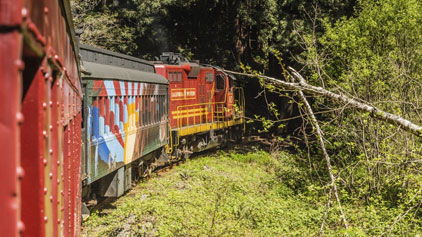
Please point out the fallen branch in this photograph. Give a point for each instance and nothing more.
(316, 126)
(343, 99)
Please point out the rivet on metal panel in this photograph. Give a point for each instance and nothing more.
(51, 127)
(44, 161)
(62, 193)
(20, 172)
(45, 190)
(64, 69)
(44, 105)
(51, 103)
(45, 218)
(58, 221)
(51, 175)
(20, 64)
(51, 151)
(21, 227)
(45, 10)
(44, 133)
(24, 13)
(56, 57)
(58, 181)
(51, 198)
(19, 118)
(62, 209)
(58, 162)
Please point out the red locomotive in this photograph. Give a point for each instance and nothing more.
(206, 109)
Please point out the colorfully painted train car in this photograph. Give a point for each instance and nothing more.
(206, 109)
(40, 121)
(126, 120)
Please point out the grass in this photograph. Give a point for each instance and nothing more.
(231, 194)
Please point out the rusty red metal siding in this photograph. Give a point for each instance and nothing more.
(9, 133)
(10, 118)
(40, 124)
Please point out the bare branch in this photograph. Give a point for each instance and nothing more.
(315, 124)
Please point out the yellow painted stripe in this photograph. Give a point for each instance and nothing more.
(188, 115)
(188, 111)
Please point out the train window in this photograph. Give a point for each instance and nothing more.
(137, 109)
(157, 109)
(147, 108)
(161, 107)
(209, 77)
(164, 106)
(121, 114)
(125, 111)
(94, 117)
(116, 112)
(104, 115)
(175, 76)
(143, 111)
(101, 116)
(130, 112)
(220, 82)
(107, 115)
(154, 108)
(170, 76)
(111, 118)
(151, 109)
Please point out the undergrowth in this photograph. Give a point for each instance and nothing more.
(232, 194)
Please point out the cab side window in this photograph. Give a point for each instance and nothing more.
(220, 82)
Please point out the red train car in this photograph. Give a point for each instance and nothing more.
(206, 109)
(41, 120)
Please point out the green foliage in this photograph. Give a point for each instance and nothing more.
(103, 28)
(234, 194)
(375, 55)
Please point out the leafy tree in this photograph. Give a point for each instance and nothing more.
(376, 56)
